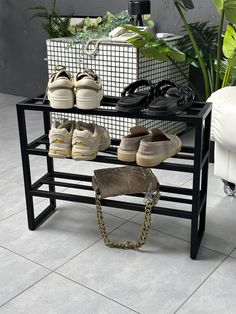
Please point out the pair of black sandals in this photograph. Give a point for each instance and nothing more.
(162, 99)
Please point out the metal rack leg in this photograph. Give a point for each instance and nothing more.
(195, 239)
(204, 179)
(26, 168)
(50, 165)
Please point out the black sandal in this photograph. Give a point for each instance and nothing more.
(170, 99)
(135, 101)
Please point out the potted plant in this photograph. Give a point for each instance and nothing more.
(202, 46)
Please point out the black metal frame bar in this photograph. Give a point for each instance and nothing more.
(198, 116)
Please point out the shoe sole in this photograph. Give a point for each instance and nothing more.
(126, 156)
(152, 161)
(78, 156)
(62, 99)
(59, 154)
(92, 101)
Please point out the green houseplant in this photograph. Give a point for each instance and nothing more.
(53, 24)
(195, 46)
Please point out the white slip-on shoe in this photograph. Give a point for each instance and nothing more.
(60, 138)
(60, 89)
(85, 141)
(88, 90)
(155, 149)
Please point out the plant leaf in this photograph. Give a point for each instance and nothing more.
(223, 66)
(160, 50)
(232, 61)
(146, 35)
(185, 4)
(229, 44)
(137, 42)
(219, 5)
(150, 47)
(206, 38)
(229, 8)
(37, 8)
(43, 15)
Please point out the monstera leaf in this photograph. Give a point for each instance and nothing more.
(161, 51)
(146, 35)
(228, 7)
(229, 45)
(150, 47)
(185, 4)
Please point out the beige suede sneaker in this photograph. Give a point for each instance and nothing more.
(88, 90)
(85, 141)
(60, 137)
(160, 146)
(130, 143)
(60, 90)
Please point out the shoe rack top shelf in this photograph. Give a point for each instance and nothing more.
(198, 110)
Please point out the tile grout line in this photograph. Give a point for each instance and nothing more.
(55, 272)
(88, 247)
(21, 210)
(182, 239)
(30, 260)
(113, 215)
(99, 293)
(52, 270)
(23, 291)
(195, 290)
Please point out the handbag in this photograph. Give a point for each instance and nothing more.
(122, 181)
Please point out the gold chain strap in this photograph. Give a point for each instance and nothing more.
(126, 244)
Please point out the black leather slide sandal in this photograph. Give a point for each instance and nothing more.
(170, 99)
(134, 101)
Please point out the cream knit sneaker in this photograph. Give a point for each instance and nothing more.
(160, 146)
(85, 141)
(130, 143)
(60, 137)
(60, 89)
(88, 90)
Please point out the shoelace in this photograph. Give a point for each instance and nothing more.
(58, 68)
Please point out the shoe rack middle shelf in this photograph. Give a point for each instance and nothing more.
(192, 160)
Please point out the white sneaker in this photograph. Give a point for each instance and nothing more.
(85, 141)
(60, 138)
(88, 90)
(104, 138)
(103, 134)
(60, 89)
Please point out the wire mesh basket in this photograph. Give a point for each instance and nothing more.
(118, 64)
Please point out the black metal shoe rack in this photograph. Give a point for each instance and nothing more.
(198, 116)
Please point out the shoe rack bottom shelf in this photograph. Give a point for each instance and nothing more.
(51, 180)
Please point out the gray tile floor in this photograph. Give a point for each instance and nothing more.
(64, 267)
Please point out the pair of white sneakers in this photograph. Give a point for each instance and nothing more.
(85, 87)
(80, 140)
